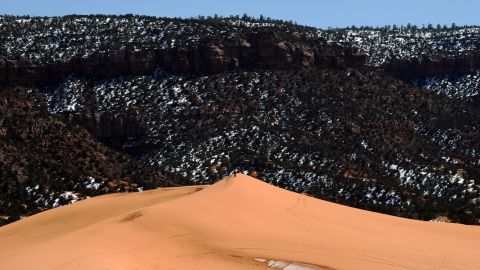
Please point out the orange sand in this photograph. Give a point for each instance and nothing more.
(227, 226)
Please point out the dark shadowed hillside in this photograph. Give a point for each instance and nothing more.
(46, 161)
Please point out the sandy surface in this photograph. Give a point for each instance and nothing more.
(227, 226)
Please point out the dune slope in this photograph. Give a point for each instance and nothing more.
(237, 223)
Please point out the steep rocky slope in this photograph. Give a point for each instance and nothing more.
(46, 162)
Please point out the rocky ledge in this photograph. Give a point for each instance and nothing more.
(427, 66)
(260, 50)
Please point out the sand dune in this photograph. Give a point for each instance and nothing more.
(238, 223)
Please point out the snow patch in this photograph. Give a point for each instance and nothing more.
(285, 265)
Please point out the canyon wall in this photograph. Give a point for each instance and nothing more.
(425, 67)
(262, 50)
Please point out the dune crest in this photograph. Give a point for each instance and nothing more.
(232, 224)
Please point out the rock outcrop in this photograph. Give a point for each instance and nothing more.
(261, 50)
(427, 66)
(115, 129)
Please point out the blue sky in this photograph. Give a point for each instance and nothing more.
(320, 13)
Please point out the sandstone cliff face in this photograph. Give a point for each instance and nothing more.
(259, 51)
(262, 50)
(116, 130)
(427, 67)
